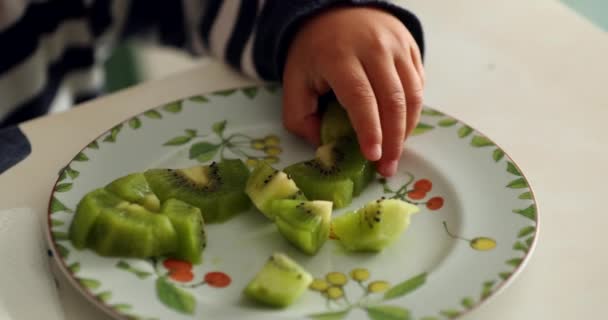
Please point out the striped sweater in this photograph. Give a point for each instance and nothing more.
(48, 45)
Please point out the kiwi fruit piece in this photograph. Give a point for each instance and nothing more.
(130, 230)
(335, 123)
(305, 224)
(374, 226)
(216, 189)
(338, 173)
(135, 188)
(189, 227)
(266, 184)
(87, 211)
(279, 283)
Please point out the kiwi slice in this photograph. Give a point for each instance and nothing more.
(279, 283)
(189, 227)
(266, 184)
(216, 189)
(338, 173)
(87, 211)
(335, 123)
(374, 226)
(130, 230)
(305, 224)
(135, 188)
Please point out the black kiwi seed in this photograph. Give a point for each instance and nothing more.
(377, 219)
(299, 276)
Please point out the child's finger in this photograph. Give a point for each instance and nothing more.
(412, 85)
(353, 90)
(299, 108)
(391, 98)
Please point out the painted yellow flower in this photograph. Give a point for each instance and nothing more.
(359, 274)
(334, 293)
(378, 286)
(271, 159)
(273, 151)
(252, 162)
(272, 140)
(336, 278)
(319, 285)
(257, 144)
(483, 244)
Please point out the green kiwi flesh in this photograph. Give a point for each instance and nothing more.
(305, 224)
(135, 188)
(189, 227)
(279, 283)
(374, 226)
(335, 123)
(266, 184)
(130, 230)
(216, 189)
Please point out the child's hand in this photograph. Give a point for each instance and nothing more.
(373, 65)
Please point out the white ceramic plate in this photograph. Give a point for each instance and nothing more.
(475, 231)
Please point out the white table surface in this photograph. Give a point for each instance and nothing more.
(532, 75)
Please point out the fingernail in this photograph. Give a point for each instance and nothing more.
(375, 152)
(391, 168)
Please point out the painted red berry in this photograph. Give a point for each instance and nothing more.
(181, 275)
(217, 279)
(175, 265)
(424, 185)
(435, 203)
(416, 194)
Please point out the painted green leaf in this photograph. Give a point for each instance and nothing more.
(72, 173)
(225, 93)
(387, 312)
(90, 284)
(481, 141)
(468, 302)
(519, 246)
(135, 123)
(504, 275)
(429, 318)
(514, 262)
(447, 122)
(518, 184)
(63, 251)
(203, 151)
(487, 289)
(56, 223)
(464, 131)
(173, 297)
(59, 235)
(219, 127)
(529, 241)
(526, 231)
(450, 313)
(153, 114)
(405, 287)
(173, 107)
(81, 157)
(74, 267)
(62, 175)
(123, 265)
(141, 274)
(113, 134)
(511, 168)
(190, 132)
(422, 128)
(63, 187)
(525, 196)
(529, 212)
(250, 92)
(272, 88)
(57, 206)
(178, 141)
(200, 98)
(121, 307)
(498, 155)
(93, 145)
(431, 112)
(104, 296)
(338, 315)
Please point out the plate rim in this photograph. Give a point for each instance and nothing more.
(66, 273)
